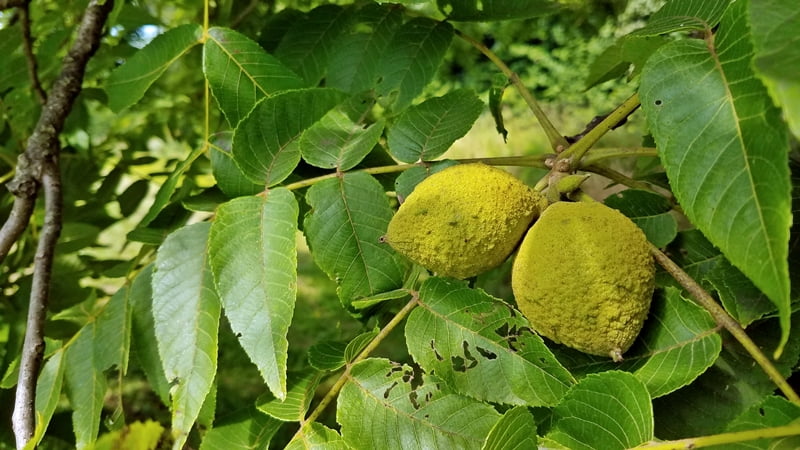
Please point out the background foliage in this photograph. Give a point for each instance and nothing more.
(228, 172)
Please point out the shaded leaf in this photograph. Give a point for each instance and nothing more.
(481, 347)
(265, 142)
(515, 430)
(733, 384)
(609, 410)
(772, 412)
(354, 56)
(240, 73)
(616, 60)
(327, 355)
(112, 332)
(348, 216)
(425, 131)
(168, 188)
(648, 211)
(737, 294)
(186, 313)
(774, 25)
(144, 345)
(301, 387)
(409, 179)
(254, 259)
(230, 178)
(410, 60)
(307, 45)
(127, 83)
(338, 142)
(490, 10)
(724, 148)
(244, 430)
(679, 341)
(406, 412)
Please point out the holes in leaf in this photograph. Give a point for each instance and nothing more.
(486, 353)
(436, 352)
(389, 390)
(658, 102)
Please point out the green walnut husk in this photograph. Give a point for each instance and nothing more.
(584, 277)
(464, 220)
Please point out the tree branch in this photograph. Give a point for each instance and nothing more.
(38, 165)
(15, 225)
(23, 418)
(27, 47)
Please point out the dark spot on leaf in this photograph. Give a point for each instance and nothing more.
(486, 353)
(389, 390)
(658, 102)
(762, 412)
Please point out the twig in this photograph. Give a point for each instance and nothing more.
(39, 164)
(334, 391)
(578, 149)
(27, 47)
(6, 4)
(601, 154)
(726, 438)
(23, 419)
(556, 139)
(726, 321)
(15, 225)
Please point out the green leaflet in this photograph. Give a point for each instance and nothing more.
(386, 405)
(724, 148)
(240, 73)
(348, 216)
(254, 260)
(128, 83)
(186, 313)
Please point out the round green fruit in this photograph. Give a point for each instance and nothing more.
(463, 220)
(584, 277)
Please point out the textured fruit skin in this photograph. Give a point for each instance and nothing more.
(584, 277)
(463, 220)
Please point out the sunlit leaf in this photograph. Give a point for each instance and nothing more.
(409, 179)
(186, 312)
(425, 131)
(609, 410)
(254, 259)
(301, 388)
(128, 82)
(240, 73)
(338, 142)
(316, 436)
(86, 387)
(724, 149)
(481, 347)
(386, 405)
(265, 142)
(515, 430)
(48, 389)
(144, 345)
(244, 430)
